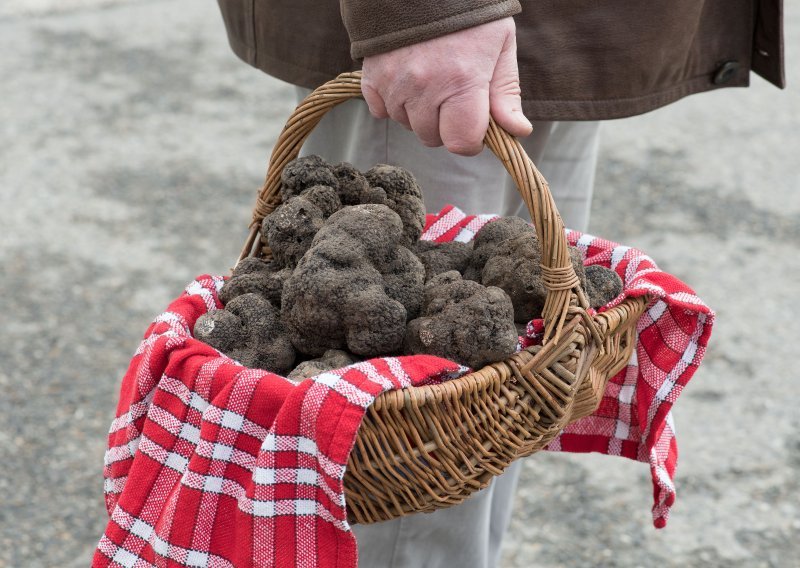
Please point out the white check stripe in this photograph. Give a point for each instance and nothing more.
(161, 455)
(618, 254)
(372, 374)
(160, 546)
(444, 224)
(197, 289)
(670, 380)
(110, 551)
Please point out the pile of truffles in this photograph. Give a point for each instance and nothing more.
(350, 279)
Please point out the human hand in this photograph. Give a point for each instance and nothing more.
(444, 88)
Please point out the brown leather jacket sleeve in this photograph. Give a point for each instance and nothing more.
(377, 26)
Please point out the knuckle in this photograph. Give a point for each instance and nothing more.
(461, 71)
(419, 76)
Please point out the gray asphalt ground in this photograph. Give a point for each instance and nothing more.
(131, 145)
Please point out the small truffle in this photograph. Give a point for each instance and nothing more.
(290, 229)
(353, 186)
(443, 257)
(331, 359)
(403, 196)
(256, 276)
(303, 173)
(348, 289)
(324, 197)
(249, 331)
(602, 285)
(463, 321)
(489, 237)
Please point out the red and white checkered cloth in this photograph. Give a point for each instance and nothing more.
(213, 464)
(634, 418)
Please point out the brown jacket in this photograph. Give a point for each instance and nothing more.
(578, 59)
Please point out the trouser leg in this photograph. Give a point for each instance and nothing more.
(468, 535)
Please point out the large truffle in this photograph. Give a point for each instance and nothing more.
(349, 289)
(463, 321)
(256, 276)
(443, 257)
(248, 330)
(403, 196)
(489, 237)
(331, 359)
(602, 285)
(515, 267)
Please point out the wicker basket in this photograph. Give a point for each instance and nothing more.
(425, 448)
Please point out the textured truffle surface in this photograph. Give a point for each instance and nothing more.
(463, 321)
(349, 288)
(443, 257)
(602, 285)
(331, 359)
(353, 186)
(290, 229)
(248, 330)
(303, 173)
(515, 267)
(489, 237)
(256, 276)
(324, 197)
(403, 196)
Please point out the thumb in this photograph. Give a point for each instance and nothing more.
(505, 102)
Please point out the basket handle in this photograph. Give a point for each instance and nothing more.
(558, 275)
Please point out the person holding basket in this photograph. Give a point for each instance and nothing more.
(548, 72)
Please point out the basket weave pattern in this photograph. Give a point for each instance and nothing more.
(424, 448)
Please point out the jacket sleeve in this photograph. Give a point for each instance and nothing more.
(377, 26)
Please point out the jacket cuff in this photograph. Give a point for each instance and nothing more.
(377, 26)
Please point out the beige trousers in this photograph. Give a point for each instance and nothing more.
(468, 535)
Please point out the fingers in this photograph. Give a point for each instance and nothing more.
(380, 108)
(444, 88)
(505, 101)
(374, 101)
(424, 121)
(459, 122)
(463, 121)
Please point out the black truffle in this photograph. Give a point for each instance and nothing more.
(353, 186)
(463, 321)
(515, 267)
(331, 359)
(248, 330)
(303, 173)
(443, 257)
(489, 237)
(324, 197)
(349, 288)
(290, 229)
(403, 196)
(602, 285)
(256, 276)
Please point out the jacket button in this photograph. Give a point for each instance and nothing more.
(725, 72)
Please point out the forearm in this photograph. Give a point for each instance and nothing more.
(378, 26)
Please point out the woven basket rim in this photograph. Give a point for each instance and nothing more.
(596, 343)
